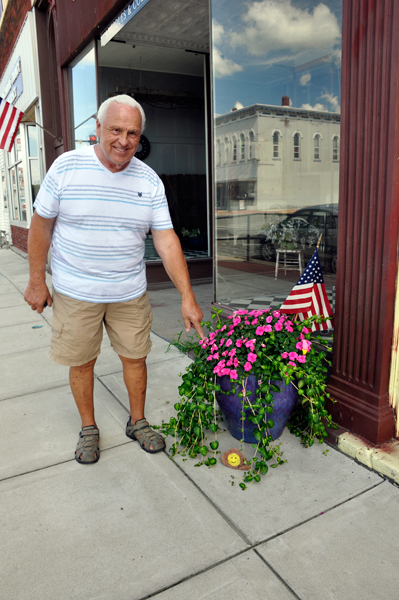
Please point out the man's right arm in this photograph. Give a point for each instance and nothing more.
(39, 240)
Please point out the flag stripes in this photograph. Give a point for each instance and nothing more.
(10, 118)
(309, 296)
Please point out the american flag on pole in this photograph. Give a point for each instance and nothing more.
(10, 118)
(309, 296)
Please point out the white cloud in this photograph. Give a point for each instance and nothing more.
(318, 107)
(277, 25)
(224, 66)
(217, 32)
(336, 57)
(333, 101)
(304, 80)
(238, 105)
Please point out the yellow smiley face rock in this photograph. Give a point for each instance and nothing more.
(233, 459)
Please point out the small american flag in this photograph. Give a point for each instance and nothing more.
(309, 296)
(10, 118)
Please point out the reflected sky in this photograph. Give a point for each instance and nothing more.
(269, 48)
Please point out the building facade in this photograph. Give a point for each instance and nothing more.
(235, 157)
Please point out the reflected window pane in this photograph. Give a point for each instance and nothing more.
(277, 90)
(32, 140)
(35, 178)
(18, 146)
(14, 192)
(84, 100)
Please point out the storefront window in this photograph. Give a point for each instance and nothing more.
(84, 99)
(17, 180)
(33, 159)
(277, 72)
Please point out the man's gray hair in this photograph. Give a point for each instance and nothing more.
(122, 99)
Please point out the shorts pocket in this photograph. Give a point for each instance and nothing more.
(56, 327)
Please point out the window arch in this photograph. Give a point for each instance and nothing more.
(251, 144)
(218, 152)
(316, 146)
(276, 144)
(234, 148)
(335, 148)
(226, 149)
(242, 147)
(297, 146)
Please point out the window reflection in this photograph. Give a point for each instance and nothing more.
(278, 93)
(84, 97)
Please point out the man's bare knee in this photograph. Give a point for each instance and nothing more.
(132, 361)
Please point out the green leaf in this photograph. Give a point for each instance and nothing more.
(203, 450)
(243, 486)
(214, 445)
(212, 461)
(214, 427)
(177, 406)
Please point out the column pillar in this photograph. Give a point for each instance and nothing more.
(368, 219)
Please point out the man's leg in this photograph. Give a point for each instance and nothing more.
(135, 378)
(81, 380)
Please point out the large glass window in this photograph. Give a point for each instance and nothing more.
(277, 73)
(33, 160)
(17, 179)
(84, 98)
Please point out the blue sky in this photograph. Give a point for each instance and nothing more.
(265, 49)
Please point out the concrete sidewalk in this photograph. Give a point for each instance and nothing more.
(136, 525)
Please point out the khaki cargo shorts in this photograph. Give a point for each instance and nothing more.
(77, 329)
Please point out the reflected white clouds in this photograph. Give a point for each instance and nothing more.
(224, 66)
(319, 107)
(273, 25)
(304, 79)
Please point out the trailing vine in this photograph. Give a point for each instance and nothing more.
(270, 346)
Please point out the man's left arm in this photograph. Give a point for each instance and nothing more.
(168, 246)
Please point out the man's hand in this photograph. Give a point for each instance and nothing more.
(192, 315)
(37, 295)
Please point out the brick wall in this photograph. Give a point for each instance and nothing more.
(12, 22)
(19, 237)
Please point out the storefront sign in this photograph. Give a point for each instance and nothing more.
(13, 88)
(121, 21)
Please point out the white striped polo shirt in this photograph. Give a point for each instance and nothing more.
(102, 221)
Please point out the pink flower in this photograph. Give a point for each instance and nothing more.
(268, 328)
(252, 357)
(221, 342)
(288, 328)
(260, 330)
(241, 311)
(233, 374)
(230, 333)
(239, 343)
(236, 321)
(250, 343)
(229, 343)
(269, 319)
(284, 355)
(221, 364)
(210, 357)
(236, 362)
(306, 346)
(305, 330)
(292, 364)
(276, 314)
(292, 355)
(254, 322)
(232, 352)
(212, 335)
(229, 363)
(278, 327)
(301, 359)
(214, 348)
(223, 328)
(225, 372)
(216, 356)
(225, 353)
(247, 366)
(299, 346)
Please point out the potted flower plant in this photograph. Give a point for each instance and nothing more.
(256, 357)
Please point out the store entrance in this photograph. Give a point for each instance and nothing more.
(170, 85)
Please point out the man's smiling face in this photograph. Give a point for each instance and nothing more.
(119, 135)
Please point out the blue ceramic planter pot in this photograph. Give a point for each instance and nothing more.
(230, 405)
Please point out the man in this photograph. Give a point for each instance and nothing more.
(96, 205)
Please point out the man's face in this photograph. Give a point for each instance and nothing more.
(119, 135)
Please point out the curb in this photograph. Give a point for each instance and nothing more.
(383, 459)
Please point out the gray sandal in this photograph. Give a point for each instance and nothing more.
(88, 451)
(145, 436)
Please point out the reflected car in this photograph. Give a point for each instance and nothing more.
(306, 225)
